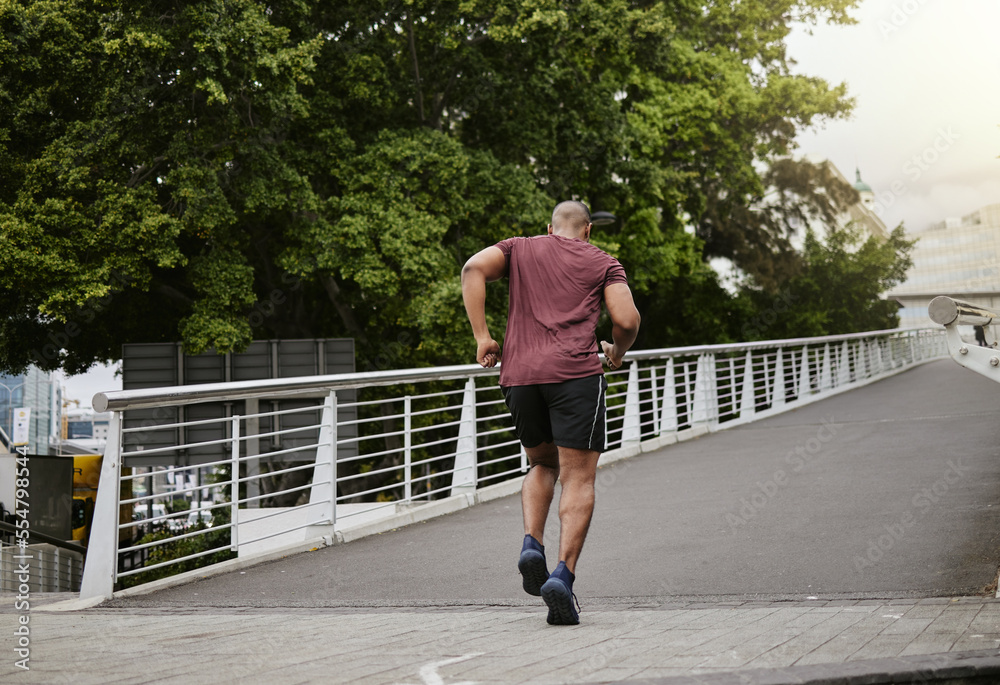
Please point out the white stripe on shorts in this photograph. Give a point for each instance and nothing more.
(597, 411)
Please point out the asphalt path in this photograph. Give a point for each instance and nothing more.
(888, 491)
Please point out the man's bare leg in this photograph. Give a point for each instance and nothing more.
(536, 497)
(538, 488)
(577, 472)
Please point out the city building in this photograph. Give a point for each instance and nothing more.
(84, 432)
(959, 258)
(861, 214)
(40, 392)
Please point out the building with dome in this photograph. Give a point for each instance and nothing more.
(864, 190)
(861, 213)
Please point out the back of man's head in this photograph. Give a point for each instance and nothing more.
(570, 218)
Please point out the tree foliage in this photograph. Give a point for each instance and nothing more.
(215, 172)
(837, 290)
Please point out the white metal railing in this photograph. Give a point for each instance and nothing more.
(983, 358)
(349, 447)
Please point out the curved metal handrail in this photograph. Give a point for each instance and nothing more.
(315, 386)
(121, 400)
(947, 311)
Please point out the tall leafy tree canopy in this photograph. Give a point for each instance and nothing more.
(217, 171)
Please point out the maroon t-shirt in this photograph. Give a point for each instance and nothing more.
(556, 289)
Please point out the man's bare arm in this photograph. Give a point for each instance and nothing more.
(483, 267)
(624, 323)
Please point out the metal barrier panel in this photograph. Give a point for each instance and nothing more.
(42, 567)
(350, 448)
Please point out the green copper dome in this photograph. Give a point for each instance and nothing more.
(860, 185)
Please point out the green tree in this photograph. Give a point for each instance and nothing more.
(141, 147)
(213, 172)
(839, 288)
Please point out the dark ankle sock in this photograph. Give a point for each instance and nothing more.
(532, 543)
(563, 574)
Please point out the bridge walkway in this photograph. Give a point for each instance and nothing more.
(859, 532)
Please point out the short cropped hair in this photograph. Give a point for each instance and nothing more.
(571, 214)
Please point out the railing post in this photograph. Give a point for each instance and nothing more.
(706, 395)
(778, 387)
(793, 374)
(234, 486)
(825, 380)
(654, 391)
(668, 400)
(44, 579)
(331, 426)
(324, 484)
(251, 450)
(844, 370)
(805, 380)
(464, 476)
(407, 449)
(748, 401)
(767, 379)
(713, 396)
(101, 567)
(631, 432)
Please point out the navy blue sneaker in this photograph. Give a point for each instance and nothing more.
(557, 592)
(532, 566)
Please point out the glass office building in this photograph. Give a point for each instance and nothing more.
(41, 392)
(959, 258)
(11, 397)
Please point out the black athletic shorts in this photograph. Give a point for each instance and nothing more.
(570, 414)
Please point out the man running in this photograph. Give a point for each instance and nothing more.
(552, 378)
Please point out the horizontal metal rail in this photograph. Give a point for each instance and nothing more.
(275, 388)
(947, 311)
(45, 537)
(980, 356)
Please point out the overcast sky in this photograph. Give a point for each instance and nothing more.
(924, 132)
(926, 128)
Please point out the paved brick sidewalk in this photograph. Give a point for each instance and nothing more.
(489, 644)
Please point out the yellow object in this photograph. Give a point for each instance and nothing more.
(86, 476)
